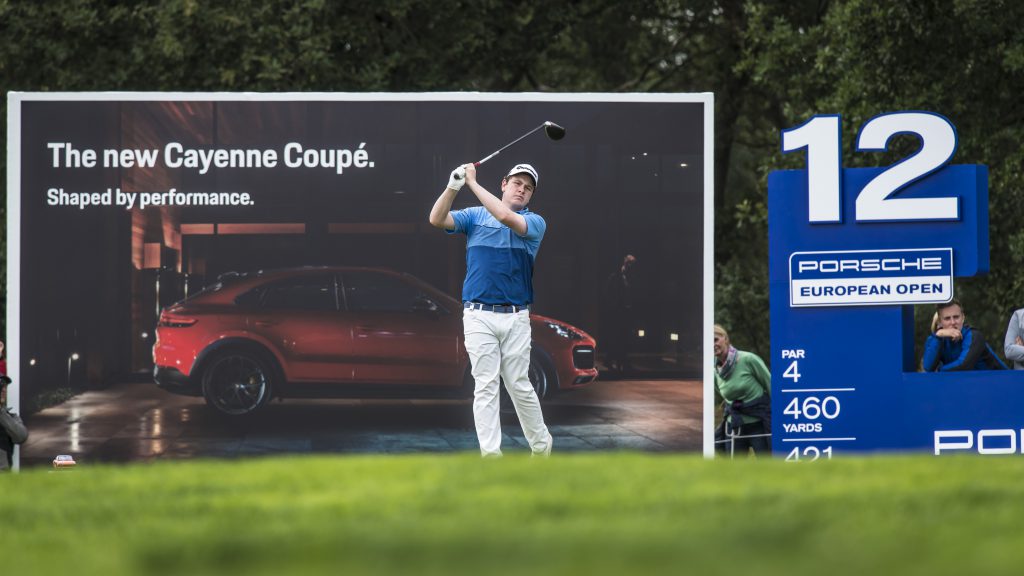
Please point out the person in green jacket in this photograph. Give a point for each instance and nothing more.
(744, 383)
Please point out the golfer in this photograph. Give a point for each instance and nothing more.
(502, 239)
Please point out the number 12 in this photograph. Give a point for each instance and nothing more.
(821, 136)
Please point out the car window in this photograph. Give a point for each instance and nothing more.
(222, 281)
(373, 291)
(301, 293)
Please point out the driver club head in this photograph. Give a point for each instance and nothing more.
(554, 131)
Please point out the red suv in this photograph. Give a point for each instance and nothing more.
(337, 332)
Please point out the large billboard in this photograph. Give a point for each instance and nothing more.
(296, 226)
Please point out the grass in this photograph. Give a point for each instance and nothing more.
(596, 514)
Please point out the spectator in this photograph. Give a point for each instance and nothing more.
(618, 317)
(12, 430)
(957, 346)
(1013, 344)
(745, 384)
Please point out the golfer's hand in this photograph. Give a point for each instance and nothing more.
(457, 178)
(1018, 341)
(470, 172)
(951, 333)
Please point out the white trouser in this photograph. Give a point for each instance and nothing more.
(499, 347)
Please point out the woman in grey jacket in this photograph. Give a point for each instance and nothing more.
(1013, 344)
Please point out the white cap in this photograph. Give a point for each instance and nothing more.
(525, 169)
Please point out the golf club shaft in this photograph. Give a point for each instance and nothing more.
(498, 151)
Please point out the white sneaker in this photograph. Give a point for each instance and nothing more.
(547, 451)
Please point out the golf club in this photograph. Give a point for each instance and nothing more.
(552, 130)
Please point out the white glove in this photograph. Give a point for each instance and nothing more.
(457, 179)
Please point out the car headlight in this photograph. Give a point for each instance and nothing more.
(564, 331)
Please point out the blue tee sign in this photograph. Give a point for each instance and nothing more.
(850, 252)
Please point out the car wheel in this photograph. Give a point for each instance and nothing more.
(541, 376)
(237, 383)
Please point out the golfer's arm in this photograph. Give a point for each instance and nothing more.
(500, 212)
(441, 213)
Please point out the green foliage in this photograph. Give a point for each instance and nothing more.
(608, 514)
(770, 64)
(961, 59)
(741, 279)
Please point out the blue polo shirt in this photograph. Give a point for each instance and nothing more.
(499, 262)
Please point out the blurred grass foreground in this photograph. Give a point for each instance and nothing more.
(614, 514)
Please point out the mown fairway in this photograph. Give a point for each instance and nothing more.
(615, 514)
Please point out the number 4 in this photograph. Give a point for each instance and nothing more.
(792, 372)
(821, 136)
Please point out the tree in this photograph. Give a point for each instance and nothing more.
(962, 59)
(770, 64)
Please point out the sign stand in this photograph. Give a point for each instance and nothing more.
(847, 262)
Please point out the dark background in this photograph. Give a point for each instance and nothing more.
(93, 280)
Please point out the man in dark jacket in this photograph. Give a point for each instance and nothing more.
(957, 346)
(12, 430)
(617, 317)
